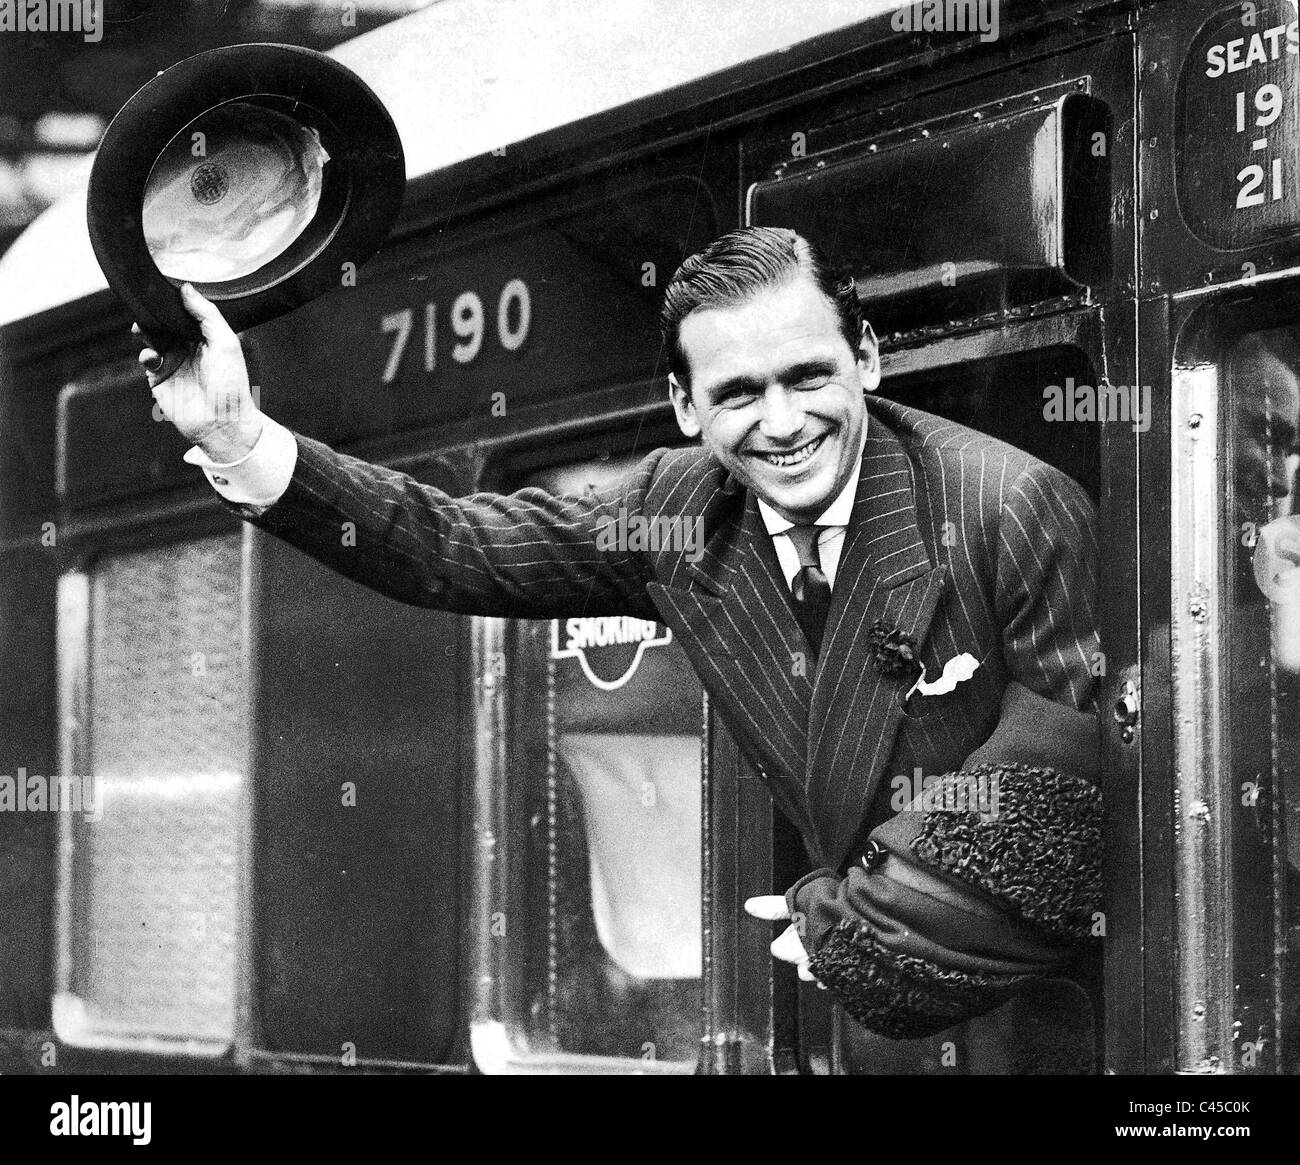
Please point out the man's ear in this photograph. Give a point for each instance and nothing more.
(869, 359)
(687, 421)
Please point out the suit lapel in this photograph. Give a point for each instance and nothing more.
(828, 733)
(884, 573)
(735, 621)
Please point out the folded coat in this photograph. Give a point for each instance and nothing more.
(990, 879)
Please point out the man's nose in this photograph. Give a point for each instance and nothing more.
(782, 414)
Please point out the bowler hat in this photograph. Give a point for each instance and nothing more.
(253, 171)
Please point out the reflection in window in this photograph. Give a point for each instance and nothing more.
(1263, 642)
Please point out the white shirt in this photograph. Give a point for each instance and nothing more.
(261, 476)
(833, 520)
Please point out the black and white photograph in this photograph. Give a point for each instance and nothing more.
(647, 538)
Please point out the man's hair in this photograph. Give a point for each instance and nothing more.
(741, 263)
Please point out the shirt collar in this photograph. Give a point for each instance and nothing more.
(838, 512)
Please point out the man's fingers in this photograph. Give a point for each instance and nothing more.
(769, 907)
(1289, 548)
(788, 947)
(213, 323)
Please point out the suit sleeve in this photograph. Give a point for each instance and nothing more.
(1045, 587)
(528, 554)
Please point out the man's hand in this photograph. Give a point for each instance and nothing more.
(788, 946)
(208, 397)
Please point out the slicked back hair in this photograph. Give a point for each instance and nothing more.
(738, 265)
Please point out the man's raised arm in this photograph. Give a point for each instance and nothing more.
(526, 554)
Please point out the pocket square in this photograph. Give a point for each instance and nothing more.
(957, 669)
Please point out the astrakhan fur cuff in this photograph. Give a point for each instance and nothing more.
(1038, 853)
(900, 996)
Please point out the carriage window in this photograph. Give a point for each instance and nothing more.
(156, 730)
(1044, 401)
(604, 787)
(1049, 402)
(1261, 633)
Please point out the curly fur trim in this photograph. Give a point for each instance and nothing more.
(900, 996)
(1037, 852)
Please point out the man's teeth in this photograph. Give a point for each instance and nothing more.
(784, 459)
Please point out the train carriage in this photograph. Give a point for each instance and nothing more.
(323, 831)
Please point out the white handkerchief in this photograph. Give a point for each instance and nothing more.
(959, 668)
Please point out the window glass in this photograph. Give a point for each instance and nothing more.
(152, 872)
(609, 716)
(1262, 644)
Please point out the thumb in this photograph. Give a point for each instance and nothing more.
(788, 947)
(769, 907)
(215, 329)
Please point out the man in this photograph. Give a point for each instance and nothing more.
(852, 550)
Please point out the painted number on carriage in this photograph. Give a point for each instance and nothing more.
(459, 330)
(1267, 106)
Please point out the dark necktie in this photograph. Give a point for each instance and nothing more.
(811, 589)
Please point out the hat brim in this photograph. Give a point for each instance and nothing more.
(364, 185)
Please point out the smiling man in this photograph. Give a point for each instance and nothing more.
(853, 548)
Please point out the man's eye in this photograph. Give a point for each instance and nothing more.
(811, 383)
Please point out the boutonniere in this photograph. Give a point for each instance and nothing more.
(893, 652)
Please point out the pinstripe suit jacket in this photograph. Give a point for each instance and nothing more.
(962, 541)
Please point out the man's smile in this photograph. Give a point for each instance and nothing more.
(795, 457)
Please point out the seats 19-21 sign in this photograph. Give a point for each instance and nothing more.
(1238, 126)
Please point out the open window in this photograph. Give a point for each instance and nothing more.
(1042, 392)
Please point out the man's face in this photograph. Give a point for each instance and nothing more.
(1267, 428)
(775, 394)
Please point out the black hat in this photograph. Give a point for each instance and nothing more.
(254, 172)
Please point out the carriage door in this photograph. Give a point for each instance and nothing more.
(588, 902)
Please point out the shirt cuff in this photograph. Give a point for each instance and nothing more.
(261, 476)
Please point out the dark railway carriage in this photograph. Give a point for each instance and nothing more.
(325, 832)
